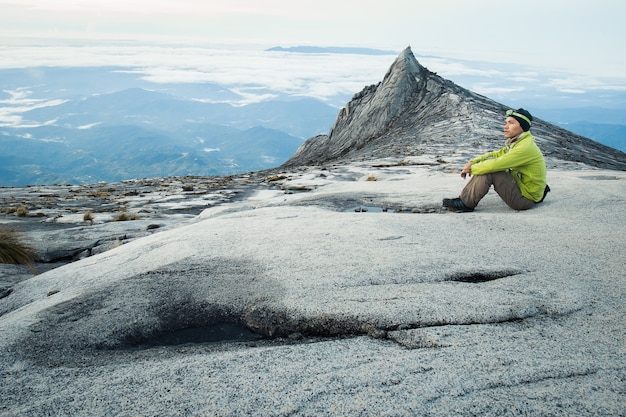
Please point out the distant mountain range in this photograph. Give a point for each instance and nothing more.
(136, 133)
(60, 155)
(609, 134)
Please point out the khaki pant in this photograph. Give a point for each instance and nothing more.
(503, 183)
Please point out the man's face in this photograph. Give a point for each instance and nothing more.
(512, 128)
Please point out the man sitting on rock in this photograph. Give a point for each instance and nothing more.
(517, 171)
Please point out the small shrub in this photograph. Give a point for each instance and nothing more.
(371, 178)
(275, 178)
(88, 217)
(22, 211)
(13, 250)
(99, 194)
(122, 217)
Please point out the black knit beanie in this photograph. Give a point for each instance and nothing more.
(517, 115)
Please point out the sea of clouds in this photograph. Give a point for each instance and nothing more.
(257, 74)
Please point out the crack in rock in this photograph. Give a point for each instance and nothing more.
(216, 333)
(482, 276)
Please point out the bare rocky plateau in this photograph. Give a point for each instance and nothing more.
(322, 291)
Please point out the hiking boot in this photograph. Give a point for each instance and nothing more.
(456, 204)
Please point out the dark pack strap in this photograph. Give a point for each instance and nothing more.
(545, 193)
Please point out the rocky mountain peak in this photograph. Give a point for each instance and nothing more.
(413, 111)
(376, 106)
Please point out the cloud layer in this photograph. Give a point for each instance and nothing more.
(256, 75)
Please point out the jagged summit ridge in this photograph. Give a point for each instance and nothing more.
(407, 100)
(376, 106)
(414, 111)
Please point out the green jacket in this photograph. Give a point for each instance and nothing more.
(523, 160)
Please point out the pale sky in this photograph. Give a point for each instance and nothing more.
(576, 35)
(564, 52)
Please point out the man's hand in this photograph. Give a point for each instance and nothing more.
(467, 170)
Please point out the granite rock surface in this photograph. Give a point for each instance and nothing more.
(331, 293)
(334, 285)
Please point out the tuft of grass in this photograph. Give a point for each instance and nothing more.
(371, 178)
(99, 194)
(88, 217)
(123, 217)
(13, 250)
(274, 178)
(22, 211)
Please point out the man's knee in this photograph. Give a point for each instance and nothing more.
(506, 187)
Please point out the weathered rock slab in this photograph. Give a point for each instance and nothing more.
(494, 312)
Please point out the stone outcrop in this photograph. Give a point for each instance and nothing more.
(414, 111)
